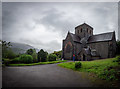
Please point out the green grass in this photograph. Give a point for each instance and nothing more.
(104, 68)
(39, 63)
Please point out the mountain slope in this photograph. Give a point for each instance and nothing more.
(19, 48)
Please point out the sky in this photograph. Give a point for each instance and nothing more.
(44, 25)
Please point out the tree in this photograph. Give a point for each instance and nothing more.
(42, 55)
(52, 57)
(118, 47)
(58, 53)
(6, 50)
(33, 53)
(29, 51)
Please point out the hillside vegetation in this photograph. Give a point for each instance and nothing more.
(107, 69)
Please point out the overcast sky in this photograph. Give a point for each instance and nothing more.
(45, 25)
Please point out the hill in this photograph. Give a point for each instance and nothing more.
(21, 48)
(106, 69)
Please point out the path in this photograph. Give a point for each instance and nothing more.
(49, 75)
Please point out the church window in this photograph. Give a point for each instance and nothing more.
(78, 31)
(68, 48)
(87, 30)
(81, 29)
(90, 31)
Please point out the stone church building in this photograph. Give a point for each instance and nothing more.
(85, 46)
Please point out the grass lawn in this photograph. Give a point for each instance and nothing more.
(39, 63)
(105, 69)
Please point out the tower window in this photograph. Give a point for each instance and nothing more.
(87, 30)
(78, 31)
(81, 29)
(90, 31)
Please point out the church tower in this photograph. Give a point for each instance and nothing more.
(84, 30)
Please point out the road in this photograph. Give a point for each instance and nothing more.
(49, 75)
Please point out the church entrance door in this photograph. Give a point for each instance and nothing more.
(83, 57)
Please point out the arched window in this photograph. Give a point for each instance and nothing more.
(68, 48)
(90, 31)
(81, 29)
(78, 31)
(87, 30)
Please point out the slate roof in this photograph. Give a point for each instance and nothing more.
(95, 38)
(101, 37)
(83, 24)
(75, 37)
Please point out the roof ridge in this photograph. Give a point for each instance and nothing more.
(104, 33)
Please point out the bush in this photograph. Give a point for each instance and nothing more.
(117, 59)
(78, 65)
(8, 54)
(26, 59)
(6, 62)
(15, 60)
(52, 57)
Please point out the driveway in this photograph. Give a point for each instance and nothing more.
(49, 75)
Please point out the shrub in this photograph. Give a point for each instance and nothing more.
(8, 54)
(117, 59)
(78, 65)
(15, 60)
(52, 57)
(26, 59)
(6, 62)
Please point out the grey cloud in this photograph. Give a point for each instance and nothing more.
(54, 19)
(19, 18)
(50, 46)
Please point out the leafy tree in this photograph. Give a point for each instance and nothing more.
(6, 50)
(52, 57)
(5, 46)
(118, 47)
(33, 53)
(58, 53)
(29, 51)
(10, 54)
(42, 55)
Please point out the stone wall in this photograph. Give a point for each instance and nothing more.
(101, 48)
(68, 48)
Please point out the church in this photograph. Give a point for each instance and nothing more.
(86, 46)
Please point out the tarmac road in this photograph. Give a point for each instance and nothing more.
(49, 75)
